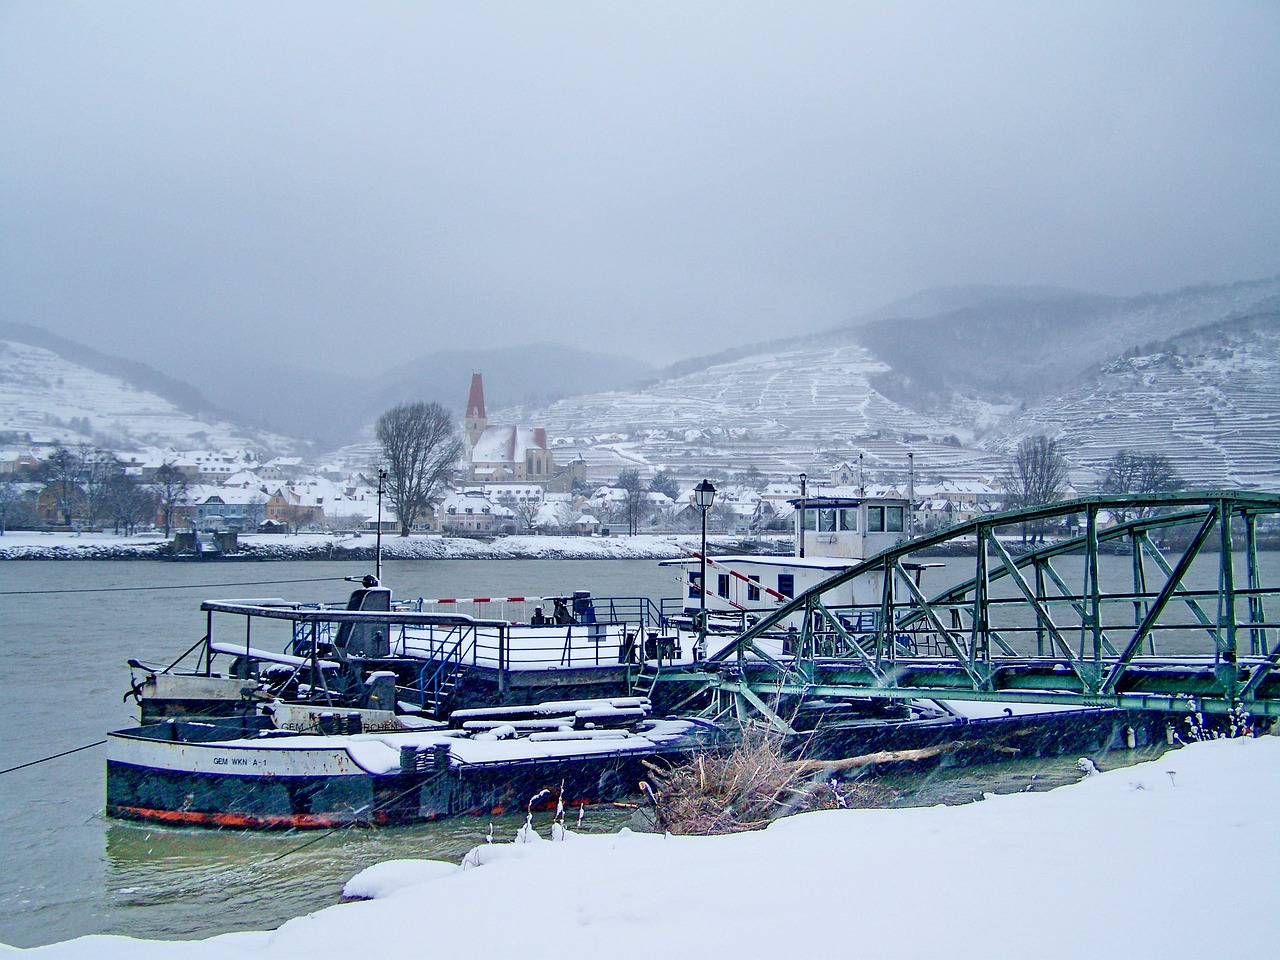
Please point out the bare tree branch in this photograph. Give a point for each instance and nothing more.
(421, 450)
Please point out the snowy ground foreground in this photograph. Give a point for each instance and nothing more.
(21, 545)
(1170, 858)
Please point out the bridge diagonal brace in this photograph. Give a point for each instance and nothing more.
(1261, 673)
(1041, 611)
(962, 655)
(867, 661)
(1171, 586)
(768, 658)
(744, 690)
(1000, 642)
(1076, 603)
(1158, 556)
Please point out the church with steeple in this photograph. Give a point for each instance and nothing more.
(498, 454)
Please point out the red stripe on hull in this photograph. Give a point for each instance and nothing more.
(293, 821)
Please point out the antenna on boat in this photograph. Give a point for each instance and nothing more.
(377, 554)
(911, 496)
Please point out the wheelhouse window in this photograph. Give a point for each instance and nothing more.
(875, 519)
(811, 519)
(849, 519)
(827, 520)
(893, 519)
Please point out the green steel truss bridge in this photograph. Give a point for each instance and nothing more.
(1165, 609)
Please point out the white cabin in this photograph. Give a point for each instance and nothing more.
(832, 534)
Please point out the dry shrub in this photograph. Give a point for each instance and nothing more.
(749, 787)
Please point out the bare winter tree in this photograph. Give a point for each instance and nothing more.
(98, 468)
(1140, 475)
(420, 450)
(526, 511)
(127, 502)
(297, 516)
(170, 486)
(61, 472)
(1037, 475)
(255, 511)
(15, 506)
(633, 507)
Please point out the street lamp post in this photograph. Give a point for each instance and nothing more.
(377, 550)
(704, 495)
(804, 490)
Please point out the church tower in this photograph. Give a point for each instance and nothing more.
(475, 421)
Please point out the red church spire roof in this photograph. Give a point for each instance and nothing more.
(475, 402)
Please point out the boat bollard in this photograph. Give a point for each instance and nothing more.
(408, 759)
(440, 757)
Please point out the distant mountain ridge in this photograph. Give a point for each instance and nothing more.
(49, 397)
(1205, 397)
(939, 300)
(958, 388)
(1189, 373)
(182, 395)
(1017, 346)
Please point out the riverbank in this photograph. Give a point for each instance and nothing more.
(1152, 843)
(20, 545)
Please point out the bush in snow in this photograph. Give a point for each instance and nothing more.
(747, 788)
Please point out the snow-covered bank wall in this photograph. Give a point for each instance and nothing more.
(1168, 858)
(70, 546)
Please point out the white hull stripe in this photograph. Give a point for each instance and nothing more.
(239, 760)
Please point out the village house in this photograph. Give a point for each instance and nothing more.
(471, 512)
(288, 507)
(229, 508)
(61, 504)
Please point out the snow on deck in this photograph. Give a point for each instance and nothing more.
(379, 753)
(1167, 858)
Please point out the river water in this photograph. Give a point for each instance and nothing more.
(66, 632)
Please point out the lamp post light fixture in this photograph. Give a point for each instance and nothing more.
(804, 490)
(704, 495)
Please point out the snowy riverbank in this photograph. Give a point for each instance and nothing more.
(1165, 858)
(19, 545)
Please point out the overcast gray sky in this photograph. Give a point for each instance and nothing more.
(359, 183)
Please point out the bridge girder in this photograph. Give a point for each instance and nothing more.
(1145, 613)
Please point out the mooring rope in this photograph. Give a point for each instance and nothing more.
(64, 753)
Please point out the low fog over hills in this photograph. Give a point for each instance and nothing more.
(955, 376)
(958, 389)
(335, 408)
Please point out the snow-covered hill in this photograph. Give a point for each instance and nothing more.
(53, 398)
(1188, 374)
(1206, 399)
(777, 412)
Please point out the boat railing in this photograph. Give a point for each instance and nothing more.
(312, 633)
(641, 612)
(327, 649)
(507, 647)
